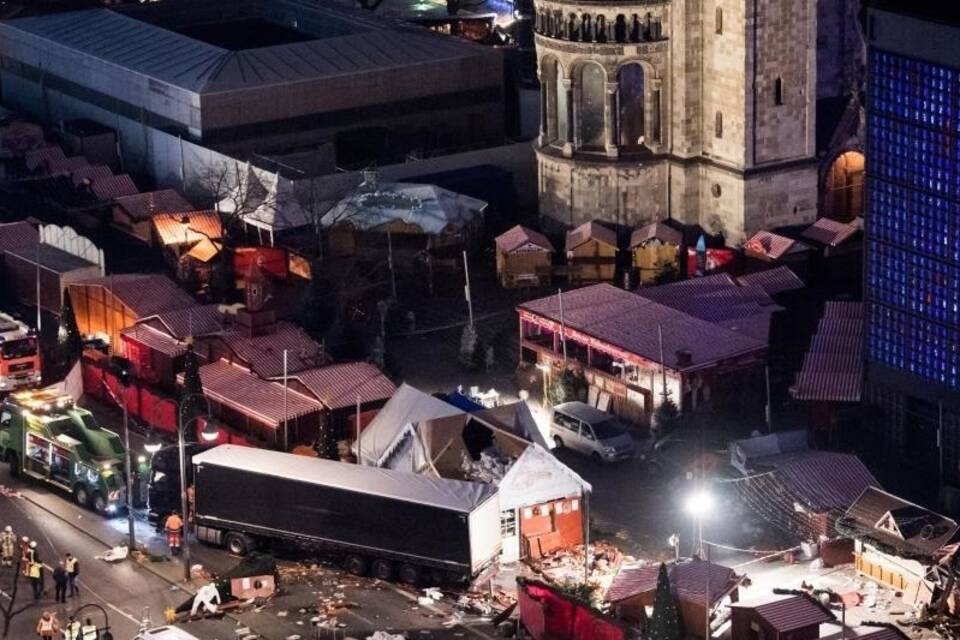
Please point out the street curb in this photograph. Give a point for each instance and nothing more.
(106, 544)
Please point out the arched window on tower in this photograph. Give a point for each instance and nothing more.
(718, 21)
(631, 83)
(592, 89)
(778, 91)
(718, 125)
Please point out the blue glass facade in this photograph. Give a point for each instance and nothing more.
(913, 231)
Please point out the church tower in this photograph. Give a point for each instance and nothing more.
(698, 110)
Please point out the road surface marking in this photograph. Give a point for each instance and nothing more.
(43, 531)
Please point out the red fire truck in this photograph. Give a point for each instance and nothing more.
(19, 355)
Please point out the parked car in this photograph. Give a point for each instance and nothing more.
(165, 633)
(591, 432)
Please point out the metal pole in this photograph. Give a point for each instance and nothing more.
(706, 628)
(466, 288)
(769, 408)
(359, 433)
(663, 363)
(586, 537)
(39, 315)
(563, 332)
(126, 444)
(393, 277)
(185, 543)
(286, 443)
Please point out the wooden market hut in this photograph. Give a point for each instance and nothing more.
(653, 245)
(107, 305)
(591, 252)
(524, 257)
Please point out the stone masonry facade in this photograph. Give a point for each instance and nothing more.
(699, 110)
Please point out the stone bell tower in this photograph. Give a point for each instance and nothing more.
(699, 110)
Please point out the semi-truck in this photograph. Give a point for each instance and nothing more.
(163, 490)
(19, 355)
(44, 436)
(386, 523)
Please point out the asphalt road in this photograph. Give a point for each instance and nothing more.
(130, 592)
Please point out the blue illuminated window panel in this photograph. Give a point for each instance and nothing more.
(913, 247)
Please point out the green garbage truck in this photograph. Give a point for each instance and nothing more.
(44, 436)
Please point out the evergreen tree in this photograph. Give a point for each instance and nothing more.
(666, 418)
(566, 386)
(192, 403)
(69, 342)
(665, 621)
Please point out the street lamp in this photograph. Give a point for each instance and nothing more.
(104, 633)
(699, 504)
(544, 370)
(152, 443)
(209, 434)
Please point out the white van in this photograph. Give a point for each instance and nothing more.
(591, 432)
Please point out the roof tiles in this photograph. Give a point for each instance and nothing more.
(520, 236)
(143, 206)
(629, 322)
(113, 187)
(688, 580)
(202, 225)
(830, 232)
(341, 385)
(772, 245)
(592, 230)
(264, 354)
(145, 294)
(790, 613)
(832, 369)
(238, 388)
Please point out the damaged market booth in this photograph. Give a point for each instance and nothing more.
(902, 545)
(542, 501)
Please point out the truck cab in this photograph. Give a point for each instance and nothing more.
(19, 355)
(45, 437)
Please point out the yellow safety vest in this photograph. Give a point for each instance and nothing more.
(70, 565)
(89, 632)
(35, 568)
(72, 631)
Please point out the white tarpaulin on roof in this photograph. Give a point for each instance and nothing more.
(537, 477)
(455, 495)
(406, 409)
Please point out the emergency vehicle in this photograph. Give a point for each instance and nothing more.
(45, 437)
(19, 355)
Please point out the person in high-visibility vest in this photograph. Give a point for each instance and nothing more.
(35, 571)
(72, 630)
(89, 631)
(47, 626)
(25, 557)
(8, 546)
(174, 529)
(73, 571)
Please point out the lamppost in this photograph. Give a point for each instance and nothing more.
(75, 617)
(700, 504)
(210, 433)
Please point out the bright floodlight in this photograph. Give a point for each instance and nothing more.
(699, 503)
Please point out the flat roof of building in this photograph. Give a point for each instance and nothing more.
(51, 258)
(188, 45)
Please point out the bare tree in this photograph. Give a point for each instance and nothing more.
(8, 605)
(238, 191)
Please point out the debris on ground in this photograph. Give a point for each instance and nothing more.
(386, 635)
(566, 566)
(116, 554)
(489, 469)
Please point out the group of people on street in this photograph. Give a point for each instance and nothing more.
(49, 627)
(31, 567)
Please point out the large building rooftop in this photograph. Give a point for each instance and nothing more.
(221, 45)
